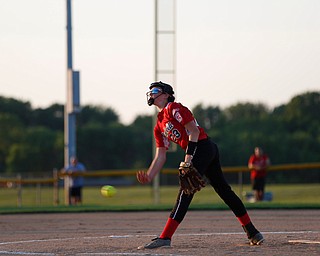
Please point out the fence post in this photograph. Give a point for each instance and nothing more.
(38, 194)
(67, 179)
(55, 187)
(19, 187)
(240, 182)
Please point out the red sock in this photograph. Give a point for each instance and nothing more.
(170, 228)
(244, 220)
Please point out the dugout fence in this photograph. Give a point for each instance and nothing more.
(19, 183)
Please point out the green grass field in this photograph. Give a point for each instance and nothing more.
(141, 198)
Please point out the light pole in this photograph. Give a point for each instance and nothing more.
(72, 106)
(164, 59)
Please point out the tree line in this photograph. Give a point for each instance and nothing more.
(32, 139)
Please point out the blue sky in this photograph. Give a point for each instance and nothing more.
(227, 51)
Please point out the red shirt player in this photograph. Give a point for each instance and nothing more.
(258, 164)
(177, 124)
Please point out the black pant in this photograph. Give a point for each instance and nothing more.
(258, 183)
(207, 162)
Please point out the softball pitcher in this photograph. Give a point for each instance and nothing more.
(176, 123)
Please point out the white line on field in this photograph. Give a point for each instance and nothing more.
(132, 253)
(141, 254)
(130, 236)
(26, 253)
(304, 242)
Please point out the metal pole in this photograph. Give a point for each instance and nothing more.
(164, 67)
(69, 117)
(69, 35)
(156, 180)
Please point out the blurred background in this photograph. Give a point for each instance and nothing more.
(249, 70)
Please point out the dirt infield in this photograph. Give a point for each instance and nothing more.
(287, 232)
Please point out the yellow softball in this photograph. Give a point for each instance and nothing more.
(108, 191)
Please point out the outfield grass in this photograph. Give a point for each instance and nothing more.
(141, 198)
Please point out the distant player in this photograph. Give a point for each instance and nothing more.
(258, 164)
(75, 183)
(176, 123)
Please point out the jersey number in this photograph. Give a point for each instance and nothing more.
(175, 135)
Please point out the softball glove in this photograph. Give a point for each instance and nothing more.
(190, 179)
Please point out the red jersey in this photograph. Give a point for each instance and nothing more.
(260, 161)
(170, 126)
